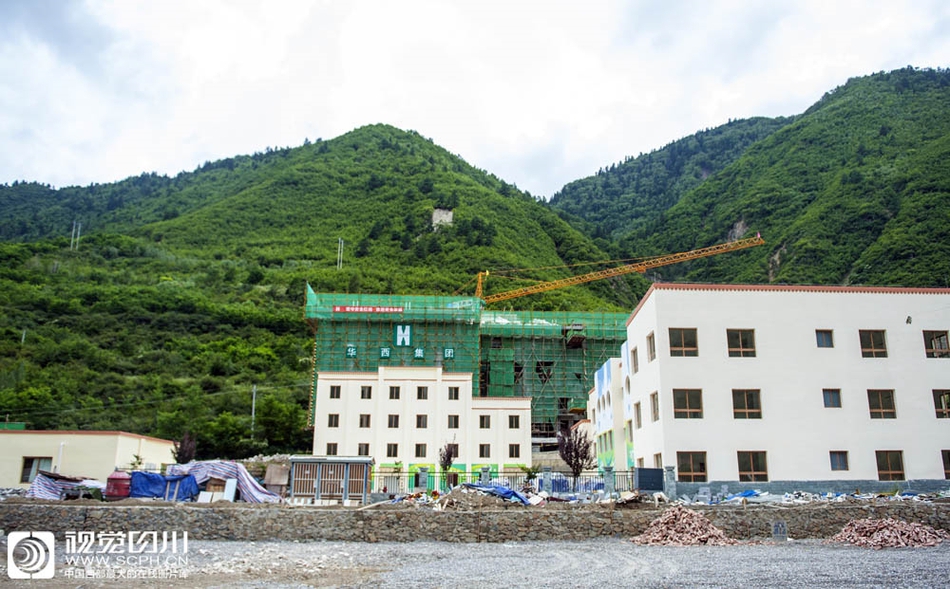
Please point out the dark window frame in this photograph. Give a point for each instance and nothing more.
(691, 467)
(825, 338)
(873, 343)
(687, 403)
(890, 465)
(942, 403)
(684, 342)
(335, 391)
(753, 466)
(936, 344)
(839, 460)
(741, 343)
(829, 396)
(740, 403)
(882, 404)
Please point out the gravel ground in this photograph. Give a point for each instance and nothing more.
(593, 563)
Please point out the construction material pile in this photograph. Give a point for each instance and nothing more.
(889, 533)
(679, 526)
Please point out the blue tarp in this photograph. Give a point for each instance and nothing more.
(499, 491)
(150, 484)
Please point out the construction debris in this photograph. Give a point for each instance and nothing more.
(889, 533)
(679, 526)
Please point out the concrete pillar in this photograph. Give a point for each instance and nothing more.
(423, 481)
(609, 484)
(485, 477)
(669, 482)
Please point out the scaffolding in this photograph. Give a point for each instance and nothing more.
(549, 356)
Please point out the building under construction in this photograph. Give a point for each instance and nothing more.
(550, 357)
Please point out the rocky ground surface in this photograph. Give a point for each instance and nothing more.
(608, 562)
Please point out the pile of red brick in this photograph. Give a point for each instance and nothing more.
(679, 526)
(889, 533)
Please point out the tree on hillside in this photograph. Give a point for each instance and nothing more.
(576, 450)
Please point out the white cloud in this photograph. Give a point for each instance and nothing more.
(539, 93)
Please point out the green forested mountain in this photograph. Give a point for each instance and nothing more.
(630, 196)
(186, 292)
(853, 191)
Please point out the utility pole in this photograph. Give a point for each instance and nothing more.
(253, 407)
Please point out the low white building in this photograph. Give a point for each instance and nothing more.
(81, 454)
(404, 416)
(772, 384)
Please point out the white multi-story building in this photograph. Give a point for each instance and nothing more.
(404, 416)
(605, 410)
(771, 384)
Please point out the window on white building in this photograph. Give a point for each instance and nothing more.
(334, 391)
(839, 460)
(831, 397)
(881, 404)
(687, 403)
(741, 343)
(746, 404)
(32, 465)
(752, 466)
(422, 421)
(333, 420)
(394, 393)
(634, 361)
(873, 344)
(683, 342)
(936, 345)
(658, 460)
(363, 450)
(484, 421)
(637, 421)
(366, 392)
(422, 393)
(514, 451)
(331, 449)
(453, 421)
(691, 467)
(890, 465)
(942, 403)
(420, 450)
(655, 406)
(453, 393)
(393, 421)
(484, 450)
(651, 347)
(825, 338)
(514, 421)
(364, 419)
(392, 450)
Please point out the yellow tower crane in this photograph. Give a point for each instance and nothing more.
(641, 266)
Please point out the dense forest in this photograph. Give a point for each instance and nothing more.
(183, 295)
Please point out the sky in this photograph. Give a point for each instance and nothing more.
(539, 93)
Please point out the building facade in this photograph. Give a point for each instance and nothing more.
(613, 440)
(404, 416)
(81, 454)
(843, 387)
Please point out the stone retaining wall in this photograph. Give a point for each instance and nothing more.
(408, 524)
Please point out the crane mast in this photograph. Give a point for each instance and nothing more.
(641, 266)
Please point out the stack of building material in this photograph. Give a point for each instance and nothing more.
(679, 526)
(889, 533)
